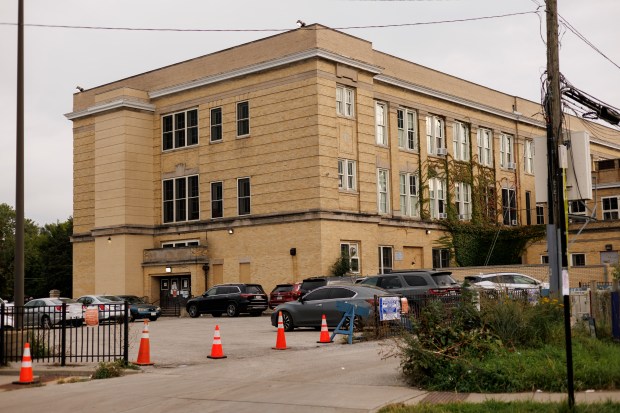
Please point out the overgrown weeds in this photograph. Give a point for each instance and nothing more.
(116, 368)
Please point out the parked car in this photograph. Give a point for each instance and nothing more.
(111, 307)
(308, 310)
(47, 312)
(140, 309)
(505, 281)
(283, 293)
(413, 283)
(312, 283)
(232, 299)
(8, 315)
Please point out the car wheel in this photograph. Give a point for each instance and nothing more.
(193, 311)
(232, 310)
(46, 322)
(287, 321)
(153, 318)
(216, 314)
(357, 324)
(256, 313)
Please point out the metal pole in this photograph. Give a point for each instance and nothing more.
(18, 289)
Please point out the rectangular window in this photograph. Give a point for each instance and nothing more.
(180, 244)
(578, 260)
(383, 203)
(506, 151)
(180, 129)
(441, 257)
(540, 215)
(485, 147)
(243, 196)
(610, 208)
(460, 141)
(577, 207)
(381, 126)
(509, 206)
(385, 260)
(435, 136)
(243, 118)
(462, 195)
(407, 129)
(528, 207)
(409, 195)
(437, 198)
(350, 250)
(544, 259)
(181, 199)
(346, 174)
(345, 101)
(216, 124)
(528, 157)
(217, 200)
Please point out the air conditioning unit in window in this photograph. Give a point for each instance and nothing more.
(513, 222)
(442, 215)
(511, 166)
(462, 216)
(442, 151)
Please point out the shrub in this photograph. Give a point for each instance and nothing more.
(107, 370)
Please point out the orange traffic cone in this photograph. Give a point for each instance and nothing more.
(216, 350)
(144, 353)
(324, 332)
(281, 339)
(25, 374)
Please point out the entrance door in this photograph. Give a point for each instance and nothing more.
(174, 293)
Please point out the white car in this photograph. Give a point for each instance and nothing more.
(8, 314)
(505, 281)
(47, 312)
(110, 307)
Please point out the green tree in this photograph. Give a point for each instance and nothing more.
(56, 259)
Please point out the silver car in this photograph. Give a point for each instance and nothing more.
(47, 312)
(110, 307)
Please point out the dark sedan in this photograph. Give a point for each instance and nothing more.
(308, 310)
(232, 299)
(139, 309)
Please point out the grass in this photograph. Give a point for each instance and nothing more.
(492, 406)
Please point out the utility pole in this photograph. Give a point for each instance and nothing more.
(18, 282)
(557, 227)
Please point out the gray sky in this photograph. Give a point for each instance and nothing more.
(506, 54)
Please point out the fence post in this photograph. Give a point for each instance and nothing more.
(63, 336)
(2, 332)
(126, 334)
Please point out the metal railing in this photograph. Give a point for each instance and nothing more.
(57, 335)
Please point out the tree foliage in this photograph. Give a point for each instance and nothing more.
(47, 256)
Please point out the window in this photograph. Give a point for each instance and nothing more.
(509, 206)
(506, 151)
(345, 101)
(216, 124)
(485, 147)
(243, 196)
(381, 119)
(350, 250)
(180, 129)
(407, 120)
(528, 157)
(385, 260)
(462, 195)
(346, 174)
(441, 257)
(540, 215)
(409, 196)
(180, 199)
(435, 135)
(243, 118)
(415, 280)
(544, 259)
(437, 197)
(578, 260)
(217, 200)
(178, 244)
(610, 207)
(460, 141)
(383, 203)
(577, 207)
(528, 207)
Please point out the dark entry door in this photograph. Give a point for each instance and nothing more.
(173, 294)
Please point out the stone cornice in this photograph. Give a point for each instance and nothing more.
(112, 105)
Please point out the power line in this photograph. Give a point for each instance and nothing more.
(380, 26)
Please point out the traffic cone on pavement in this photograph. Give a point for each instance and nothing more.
(216, 350)
(281, 339)
(25, 374)
(144, 353)
(324, 332)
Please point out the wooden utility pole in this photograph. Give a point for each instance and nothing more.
(18, 281)
(557, 227)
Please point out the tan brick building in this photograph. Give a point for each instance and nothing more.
(263, 162)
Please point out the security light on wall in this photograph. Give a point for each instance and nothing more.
(109, 240)
(231, 231)
(168, 269)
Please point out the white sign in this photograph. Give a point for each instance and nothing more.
(389, 308)
(398, 255)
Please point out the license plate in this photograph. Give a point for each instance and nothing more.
(153, 314)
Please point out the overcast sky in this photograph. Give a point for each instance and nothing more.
(506, 54)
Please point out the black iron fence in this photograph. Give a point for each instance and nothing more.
(63, 334)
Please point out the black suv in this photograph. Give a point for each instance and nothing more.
(231, 299)
(412, 283)
(312, 283)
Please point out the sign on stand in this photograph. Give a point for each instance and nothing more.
(389, 308)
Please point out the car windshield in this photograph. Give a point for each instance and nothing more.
(67, 300)
(282, 289)
(312, 284)
(253, 289)
(132, 299)
(444, 279)
(109, 298)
